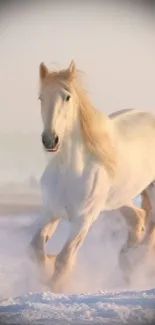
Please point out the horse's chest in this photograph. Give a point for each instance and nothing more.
(74, 190)
(66, 192)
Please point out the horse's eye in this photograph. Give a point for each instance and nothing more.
(40, 98)
(68, 98)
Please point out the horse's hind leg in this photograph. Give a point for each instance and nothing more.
(136, 219)
(149, 205)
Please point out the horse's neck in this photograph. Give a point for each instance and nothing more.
(73, 154)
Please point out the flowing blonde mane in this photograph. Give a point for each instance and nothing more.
(94, 125)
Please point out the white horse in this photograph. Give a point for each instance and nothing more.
(96, 163)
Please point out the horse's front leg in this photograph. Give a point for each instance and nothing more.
(65, 260)
(43, 229)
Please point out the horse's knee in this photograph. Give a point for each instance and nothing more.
(42, 236)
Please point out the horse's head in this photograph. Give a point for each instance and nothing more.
(67, 112)
(57, 105)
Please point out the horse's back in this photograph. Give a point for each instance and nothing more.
(120, 112)
(134, 123)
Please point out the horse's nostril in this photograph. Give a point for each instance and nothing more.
(56, 140)
(46, 141)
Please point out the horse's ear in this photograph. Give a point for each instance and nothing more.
(43, 71)
(72, 68)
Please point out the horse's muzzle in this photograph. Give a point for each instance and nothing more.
(50, 141)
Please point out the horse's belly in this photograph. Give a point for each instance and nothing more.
(136, 171)
(119, 198)
(128, 189)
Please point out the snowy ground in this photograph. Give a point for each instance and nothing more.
(100, 308)
(97, 293)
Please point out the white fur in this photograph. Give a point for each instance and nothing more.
(73, 181)
(76, 185)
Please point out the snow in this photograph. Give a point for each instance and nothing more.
(99, 308)
(97, 293)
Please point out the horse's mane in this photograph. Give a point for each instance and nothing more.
(95, 126)
(95, 130)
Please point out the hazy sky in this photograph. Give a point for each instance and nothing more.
(114, 45)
